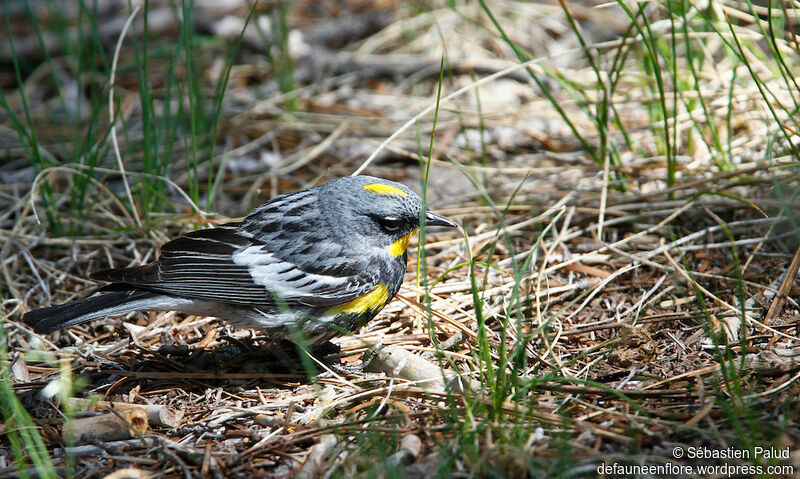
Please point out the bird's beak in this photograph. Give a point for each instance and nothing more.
(432, 219)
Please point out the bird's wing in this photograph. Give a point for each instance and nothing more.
(227, 264)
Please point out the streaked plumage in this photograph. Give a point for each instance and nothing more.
(323, 261)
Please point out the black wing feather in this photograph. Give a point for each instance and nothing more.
(200, 265)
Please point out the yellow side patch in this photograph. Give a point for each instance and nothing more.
(383, 189)
(375, 300)
(399, 247)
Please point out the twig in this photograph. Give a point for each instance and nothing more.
(789, 279)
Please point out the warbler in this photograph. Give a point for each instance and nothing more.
(319, 263)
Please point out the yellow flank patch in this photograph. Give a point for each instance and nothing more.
(383, 189)
(375, 300)
(399, 247)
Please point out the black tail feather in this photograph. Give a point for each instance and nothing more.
(47, 320)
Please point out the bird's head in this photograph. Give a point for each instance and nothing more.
(384, 213)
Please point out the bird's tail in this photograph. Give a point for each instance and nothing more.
(47, 320)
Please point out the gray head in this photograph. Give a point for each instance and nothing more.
(379, 211)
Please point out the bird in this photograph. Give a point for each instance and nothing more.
(306, 266)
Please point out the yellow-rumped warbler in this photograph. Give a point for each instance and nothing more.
(321, 261)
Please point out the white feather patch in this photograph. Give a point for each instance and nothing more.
(267, 270)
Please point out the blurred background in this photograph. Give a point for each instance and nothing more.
(626, 178)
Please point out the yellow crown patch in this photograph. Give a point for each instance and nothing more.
(383, 189)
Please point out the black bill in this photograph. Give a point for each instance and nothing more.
(432, 219)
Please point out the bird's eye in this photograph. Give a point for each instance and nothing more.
(390, 223)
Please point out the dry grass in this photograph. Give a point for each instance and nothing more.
(641, 323)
